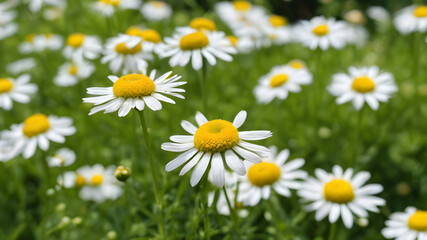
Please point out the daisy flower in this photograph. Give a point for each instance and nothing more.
(125, 51)
(62, 158)
(36, 5)
(241, 44)
(156, 10)
(279, 82)
(150, 38)
(297, 64)
(340, 194)
(48, 41)
(278, 30)
(321, 32)
(378, 13)
(20, 66)
(202, 24)
(38, 129)
(272, 173)
(17, 90)
(70, 73)
(79, 45)
(107, 7)
(408, 225)
(135, 91)
(7, 27)
(189, 43)
(214, 142)
(411, 19)
(236, 12)
(363, 84)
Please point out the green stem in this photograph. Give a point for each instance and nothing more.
(153, 174)
(276, 218)
(204, 88)
(332, 231)
(234, 216)
(206, 208)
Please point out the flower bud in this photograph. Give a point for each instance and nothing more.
(122, 173)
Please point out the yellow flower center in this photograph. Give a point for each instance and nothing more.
(5, 85)
(157, 4)
(151, 35)
(216, 136)
(193, 41)
(96, 179)
(278, 21)
(73, 70)
(35, 125)
(420, 11)
(133, 86)
(418, 221)
(233, 40)
(75, 40)
(111, 2)
(80, 181)
(321, 30)
(30, 37)
(263, 174)
(278, 80)
(122, 49)
(338, 191)
(363, 84)
(297, 64)
(60, 158)
(48, 35)
(241, 5)
(203, 24)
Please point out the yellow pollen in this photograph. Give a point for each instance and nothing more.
(363, 84)
(122, 49)
(418, 221)
(241, 5)
(239, 205)
(151, 35)
(75, 40)
(80, 181)
(297, 64)
(278, 21)
(233, 40)
(278, 80)
(48, 35)
(97, 179)
(134, 31)
(36, 124)
(133, 86)
(193, 41)
(338, 191)
(5, 85)
(30, 37)
(321, 30)
(111, 2)
(216, 136)
(73, 70)
(420, 12)
(263, 174)
(203, 24)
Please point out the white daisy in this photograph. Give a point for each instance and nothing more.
(79, 45)
(17, 90)
(363, 84)
(272, 173)
(340, 194)
(280, 81)
(411, 19)
(150, 38)
(7, 30)
(237, 12)
(277, 30)
(20, 66)
(378, 13)
(36, 5)
(214, 142)
(48, 41)
(70, 179)
(62, 158)
(242, 44)
(156, 10)
(408, 225)
(135, 91)
(70, 73)
(107, 7)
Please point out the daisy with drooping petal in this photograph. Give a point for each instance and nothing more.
(62, 158)
(408, 225)
(70, 73)
(107, 7)
(135, 91)
(340, 194)
(36, 5)
(150, 38)
(214, 142)
(366, 84)
(411, 19)
(79, 45)
(272, 173)
(279, 82)
(17, 90)
(20, 66)
(156, 10)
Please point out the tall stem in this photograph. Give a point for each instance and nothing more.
(233, 213)
(332, 231)
(206, 208)
(153, 174)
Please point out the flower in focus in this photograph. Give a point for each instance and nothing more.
(135, 91)
(62, 158)
(156, 10)
(20, 66)
(340, 194)
(79, 45)
(411, 19)
(17, 90)
(107, 7)
(362, 85)
(214, 142)
(408, 225)
(70, 73)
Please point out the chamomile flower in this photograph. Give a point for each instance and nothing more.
(202, 24)
(17, 90)
(241, 44)
(38, 129)
(156, 10)
(279, 82)
(70, 73)
(408, 225)
(36, 5)
(237, 12)
(378, 13)
(70, 179)
(107, 7)
(366, 84)
(321, 32)
(7, 27)
(135, 91)
(79, 45)
(272, 173)
(150, 38)
(297, 64)
(214, 142)
(125, 51)
(411, 19)
(62, 158)
(340, 194)
(189, 43)
(48, 41)
(278, 30)
(20, 66)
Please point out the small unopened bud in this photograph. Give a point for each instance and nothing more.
(61, 207)
(324, 132)
(122, 173)
(77, 220)
(363, 222)
(355, 16)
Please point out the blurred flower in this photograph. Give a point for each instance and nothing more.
(355, 16)
(362, 85)
(202, 24)
(408, 225)
(355, 34)
(411, 19)
(20, 66)
(378, 13)
(156, 10)
(7, 27)
(17, 90)
(150, 38)
(237, 13)
(41, 42)
(135, 91)
(214, 142)
(53, 13)
(36, 5)
(70, 73)
(242, 44)
(340, 194)
(79, 45)
(297, 64)
(107, 7)
(62, 158)
(276, 28)
(363, 222)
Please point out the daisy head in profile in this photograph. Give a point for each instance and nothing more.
(360, 85)
(156, 10)
(70, 73)
(409, 225)
(150, 38)
(411, 19)
(340, 194)
(16, 90)
(211, 144)
(135, 91)
(79, 46)
(107, 7)
(62, 158)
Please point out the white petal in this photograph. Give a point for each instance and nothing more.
(218, 171)
(239, 119)
(200, 169)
